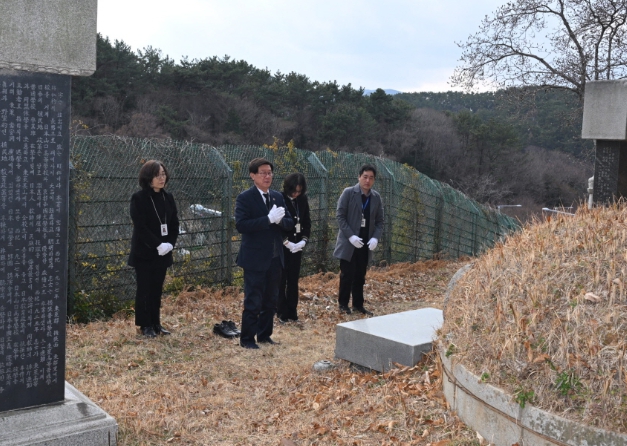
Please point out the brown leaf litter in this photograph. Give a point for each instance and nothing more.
(194, 387)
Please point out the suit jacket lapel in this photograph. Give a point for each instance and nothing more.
(258, 198)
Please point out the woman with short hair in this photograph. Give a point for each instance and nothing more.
(155, 230)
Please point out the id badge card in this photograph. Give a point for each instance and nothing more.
(164, 229)
(363, 222)
(297, 228)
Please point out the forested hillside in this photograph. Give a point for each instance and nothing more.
(550, 119)
(492, 147)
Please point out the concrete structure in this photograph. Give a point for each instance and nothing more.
(502, 422)
(605, 110)
(380, 341)
(57, 36)
(605, 121)
(42, 43)
(74, 422)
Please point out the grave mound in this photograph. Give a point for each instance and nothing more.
(543, 316)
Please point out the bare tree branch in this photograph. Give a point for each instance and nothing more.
(550, 43)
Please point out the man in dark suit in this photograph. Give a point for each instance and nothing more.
(261, 218)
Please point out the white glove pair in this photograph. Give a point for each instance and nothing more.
(164, 248)
(295, 247)
(358, 242)
(276, 214)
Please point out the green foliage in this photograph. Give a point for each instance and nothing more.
(231, 96)
(549, 119)
(451, 350)
(568, 383)
(347, 125)
(88, 307)
(220, 100)
(171, 122)
(522, 397)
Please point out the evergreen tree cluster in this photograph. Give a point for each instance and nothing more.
(492, 146)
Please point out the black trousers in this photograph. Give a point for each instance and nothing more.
(261, 291)
(150, 277)
(288, 291)
(353, 278)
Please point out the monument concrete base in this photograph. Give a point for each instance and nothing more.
(76, 421)
(377, 342)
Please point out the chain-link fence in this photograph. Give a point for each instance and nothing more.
(423, 218)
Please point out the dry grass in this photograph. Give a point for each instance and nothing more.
(196, 388)
(544, 316)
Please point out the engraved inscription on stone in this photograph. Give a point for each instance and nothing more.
(606, 170)
(34, 167)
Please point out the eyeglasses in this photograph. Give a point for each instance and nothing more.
(161, 175)
(265, 174)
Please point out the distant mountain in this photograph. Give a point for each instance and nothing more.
(387, 90)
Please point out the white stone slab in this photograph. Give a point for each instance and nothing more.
(377, 342)
(76, 421)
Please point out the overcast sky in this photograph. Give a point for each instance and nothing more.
(405, 45)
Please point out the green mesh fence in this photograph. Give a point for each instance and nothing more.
(423, 218)
(105, 174)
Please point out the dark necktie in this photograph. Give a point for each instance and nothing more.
(267, 198)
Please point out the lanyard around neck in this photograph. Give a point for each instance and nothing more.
(165, 215)
(364, 205)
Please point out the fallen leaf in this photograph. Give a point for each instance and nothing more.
(541, 358)
(592, 297)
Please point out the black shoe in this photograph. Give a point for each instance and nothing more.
(149, 332)
(269, 341)
(224, 330)
(232, 327)
(345, 309)
(283, 319)
(249, 345)
(160, 330)
(363, 311)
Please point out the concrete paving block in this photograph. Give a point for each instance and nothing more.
(377, 342)
(76, 421)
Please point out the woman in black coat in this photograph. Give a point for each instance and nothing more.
(297, 204)
(155, 230)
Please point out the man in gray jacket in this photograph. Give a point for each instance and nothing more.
(360, 219)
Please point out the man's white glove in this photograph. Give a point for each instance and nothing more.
(357, 242)
(298, 246)
(290, 246)
(164, 248)
(372, 244)
(276, 214)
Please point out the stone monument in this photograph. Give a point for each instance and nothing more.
(605, 121)
(42, 44)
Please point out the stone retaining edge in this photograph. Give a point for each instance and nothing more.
(494, 414)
